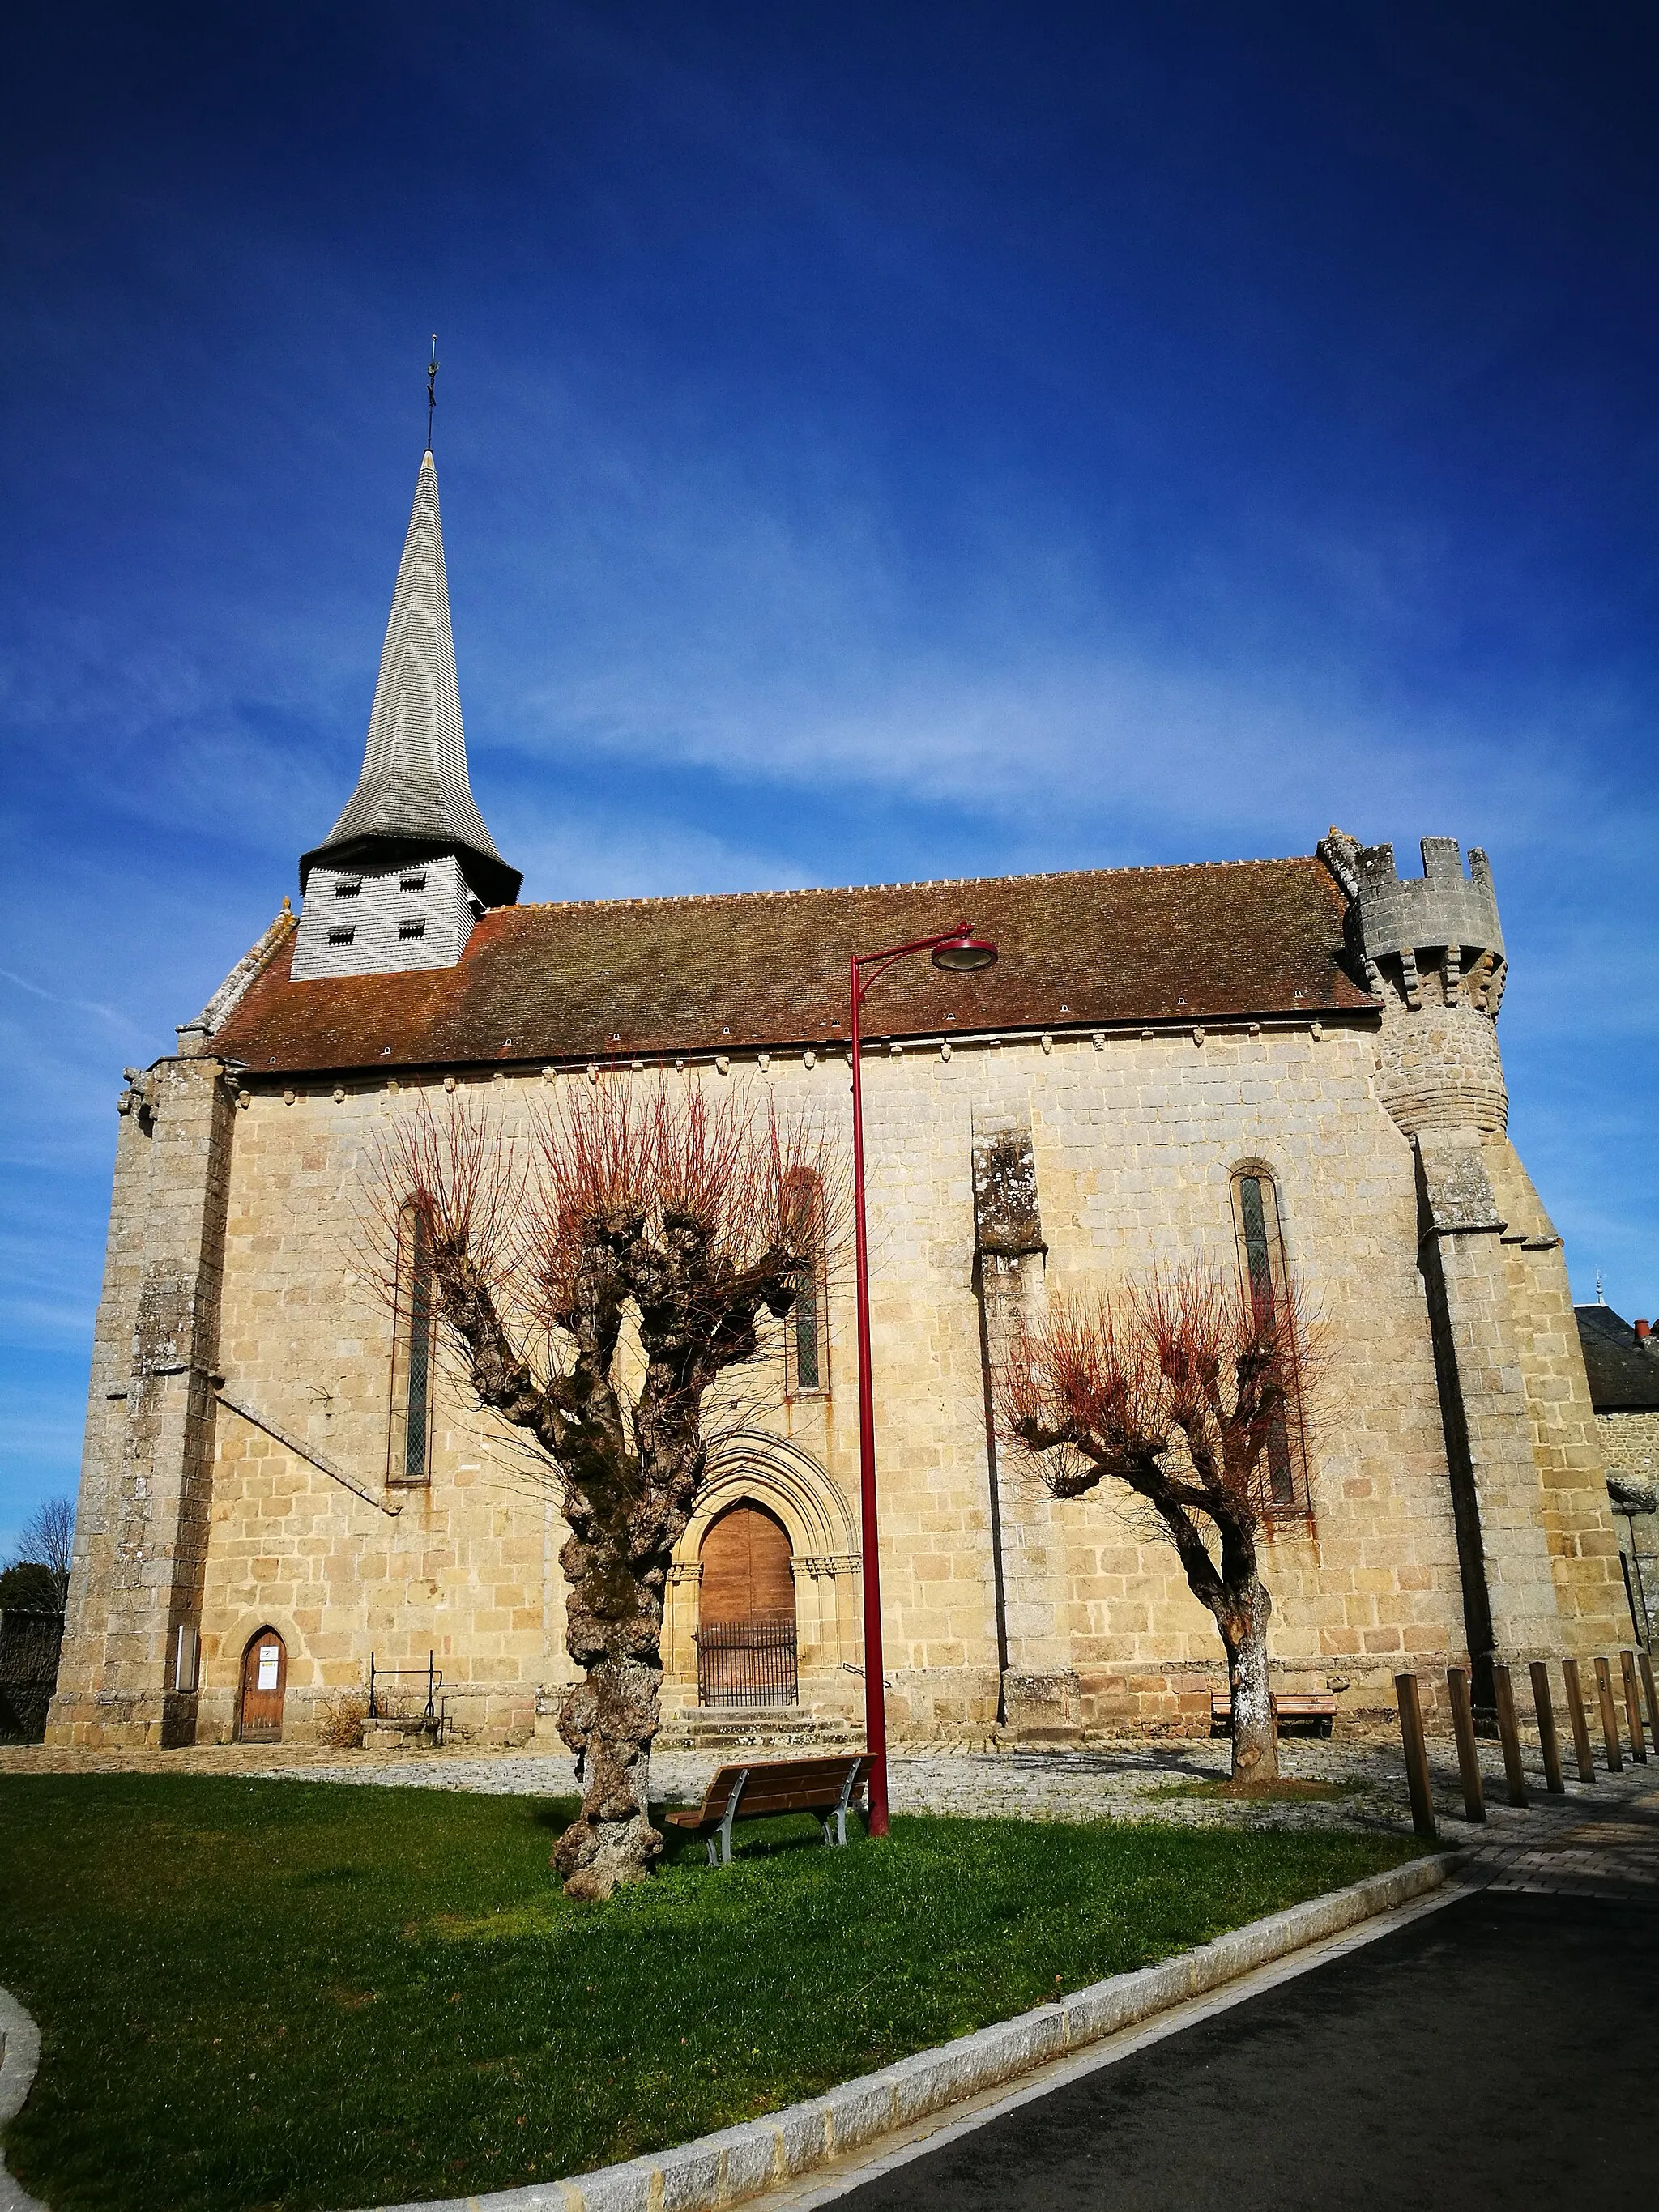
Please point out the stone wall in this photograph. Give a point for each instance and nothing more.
(464, 1567)
(1629, 1443)
(1134, 1141)
(141, 1533)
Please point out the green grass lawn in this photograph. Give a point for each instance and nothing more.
(288, 1994)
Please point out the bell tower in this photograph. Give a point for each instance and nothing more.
(408, 868)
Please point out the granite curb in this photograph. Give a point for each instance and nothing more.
(20, 2058)
(756, 2155)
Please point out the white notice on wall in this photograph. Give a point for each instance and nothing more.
(267, 1666)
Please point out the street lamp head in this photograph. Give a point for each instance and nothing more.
(964, 951)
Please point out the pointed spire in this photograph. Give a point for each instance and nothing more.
(413, 793)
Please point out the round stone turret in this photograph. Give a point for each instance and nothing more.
(1431, 949)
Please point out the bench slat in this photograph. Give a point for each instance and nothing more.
(794, 1785)
(1288, 1705)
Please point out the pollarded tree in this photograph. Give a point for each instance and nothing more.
(595, 1280)
(1182, 1388)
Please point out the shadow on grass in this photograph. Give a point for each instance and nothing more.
(777, 1836)
(257, 1993)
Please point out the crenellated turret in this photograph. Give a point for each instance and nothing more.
(1431, 947)
(1515, 1409)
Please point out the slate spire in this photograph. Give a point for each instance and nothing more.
(413, 798)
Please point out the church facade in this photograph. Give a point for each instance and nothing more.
(1291, 1066)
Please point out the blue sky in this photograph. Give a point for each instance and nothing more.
(876, 441)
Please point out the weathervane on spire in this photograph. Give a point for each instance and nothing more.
(431, 390)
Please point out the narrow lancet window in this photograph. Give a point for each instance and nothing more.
(410, 1455)
(1262, 1263)
(808, 1346)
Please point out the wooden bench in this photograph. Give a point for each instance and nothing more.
(1291, 1709)
(829, 1788)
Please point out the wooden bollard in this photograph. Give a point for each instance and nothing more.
(1639, 1744)
(1468, 1756)
(1547, 1742)
(1577, 1720)
(1509, 1734)
(1417, 1757)
(1609, 1717)
(1646, 1666)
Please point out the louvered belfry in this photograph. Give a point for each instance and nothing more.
(408, 866)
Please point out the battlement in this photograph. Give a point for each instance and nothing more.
(1448, 915)
(1440, 907)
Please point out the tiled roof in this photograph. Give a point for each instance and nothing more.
(413, 793)
(638, 978)
(1624, 1373)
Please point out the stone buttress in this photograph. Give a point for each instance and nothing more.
(1537, 1549)
(128, 1673)
(1040, 1696)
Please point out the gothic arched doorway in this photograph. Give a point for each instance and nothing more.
(746, 1611)
(265, 1679)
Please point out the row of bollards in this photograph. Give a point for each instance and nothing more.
(1636, 1671)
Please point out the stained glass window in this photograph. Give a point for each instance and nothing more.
(1263, 1260)
(410, 1456)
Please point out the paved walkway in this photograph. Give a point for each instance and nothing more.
(1359, 1783)
(1496, 2054)
(1490, 2048)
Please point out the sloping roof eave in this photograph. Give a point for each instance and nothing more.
(641, 978)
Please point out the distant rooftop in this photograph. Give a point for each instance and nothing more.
(1623, 1368)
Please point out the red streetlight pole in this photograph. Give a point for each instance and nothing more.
(957, 950)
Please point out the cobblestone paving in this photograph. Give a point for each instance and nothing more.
(1614, 1855)
(1558, 1845)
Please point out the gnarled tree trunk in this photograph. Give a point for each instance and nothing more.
(1243, 1626)
(1236, 1596)
(613, 1630)
(615, 1565)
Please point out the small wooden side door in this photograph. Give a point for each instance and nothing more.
(264, 1677)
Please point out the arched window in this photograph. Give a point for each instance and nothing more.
(808, 1356)
(410, 1459)
(1261, 1265)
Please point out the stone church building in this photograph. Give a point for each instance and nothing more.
(1285, 1064)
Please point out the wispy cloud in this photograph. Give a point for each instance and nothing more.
(55, 999)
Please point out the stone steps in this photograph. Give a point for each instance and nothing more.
(781, 1729)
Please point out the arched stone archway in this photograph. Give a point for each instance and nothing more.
(775, 1475)
(262, 1689)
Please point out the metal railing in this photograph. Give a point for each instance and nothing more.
(436, 1710)
(751, 1662)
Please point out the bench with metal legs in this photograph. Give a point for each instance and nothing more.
(830, 1789)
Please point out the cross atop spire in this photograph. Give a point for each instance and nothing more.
(413, 799)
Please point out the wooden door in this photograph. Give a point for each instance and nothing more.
(746, 1566)
(746, 1612)
(264, 1677)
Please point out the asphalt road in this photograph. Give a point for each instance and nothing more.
(1502, 2052)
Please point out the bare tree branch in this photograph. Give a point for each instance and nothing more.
(1180, 1387)
(630, 1210)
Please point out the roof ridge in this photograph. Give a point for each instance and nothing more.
(921, 884)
